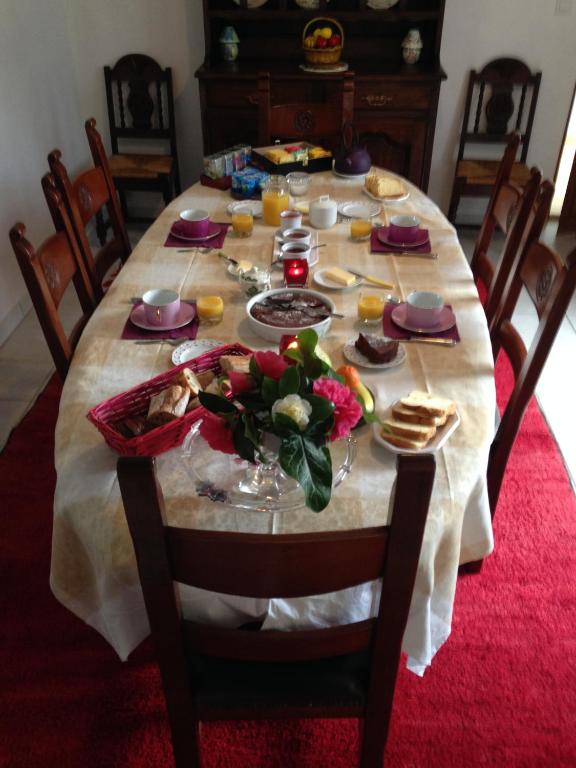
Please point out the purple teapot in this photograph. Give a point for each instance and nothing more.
(352, 159)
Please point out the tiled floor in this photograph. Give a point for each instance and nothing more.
(26, 366)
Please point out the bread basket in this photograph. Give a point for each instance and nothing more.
(322, 56)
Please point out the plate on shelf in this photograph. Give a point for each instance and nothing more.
(324, 69)
(355, 210)
(253, 3)
(185, 316)
(215, 229)
(354, 356)
(246, 206)
(383, 235)
(321, 279)
(446, 321)
(381, 5)
(191, 349)
(351, 176)
(397, 199)
(433, 445)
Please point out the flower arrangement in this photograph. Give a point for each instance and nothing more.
(297, 397)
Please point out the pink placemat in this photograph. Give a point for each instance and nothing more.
(212, 242)
(135, 333)
(377, 246)
(394, 331)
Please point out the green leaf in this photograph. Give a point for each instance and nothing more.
(244, 447)
(251, 431)
(311, 466)
(254, 368)
(269, 391)
(284, 425)
(251, 401)
(294, 354)
(216, 404)
(290, 382)
(322, 408)
(307, 341)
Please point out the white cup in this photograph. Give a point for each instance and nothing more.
(161, 306)
(298, 235)
(290, 220)
(293, 250)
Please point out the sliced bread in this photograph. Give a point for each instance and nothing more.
(402, 413)
(404, 442)
(419, 432)
(430, 405)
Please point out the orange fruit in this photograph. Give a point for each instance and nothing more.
(350, 375)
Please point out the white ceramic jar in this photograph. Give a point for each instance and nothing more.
(323, 212)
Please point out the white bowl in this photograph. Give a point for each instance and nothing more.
(275, 333)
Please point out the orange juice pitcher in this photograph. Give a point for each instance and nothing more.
(275, 199)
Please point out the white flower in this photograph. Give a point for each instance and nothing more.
(295, 408)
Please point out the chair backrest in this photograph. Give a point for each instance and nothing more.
(48, 271)
(140, 101)
(90, 194)
(319, 122)
(270, 566)
(550, 283)
(501, 98)
(514, 212)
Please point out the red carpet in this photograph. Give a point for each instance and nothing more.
(501, 692)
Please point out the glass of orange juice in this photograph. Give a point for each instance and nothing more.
(360, 229)
(242, 223)
(210, 309)
(370, 307)
(275, 199)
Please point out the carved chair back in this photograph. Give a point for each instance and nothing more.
(213, 672)
(48, 271)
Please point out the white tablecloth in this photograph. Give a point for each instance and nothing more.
(93, 569)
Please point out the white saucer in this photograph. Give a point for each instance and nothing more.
(399, 199)
(350, 176)
(447, 320)
(246, 206)
(186, 315)
(355, 210)
(216, 230)
(193, 348)
(324, 282)
(326, 69)
(442, 434)
(354, 356)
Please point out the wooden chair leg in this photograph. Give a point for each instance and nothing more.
(454, 202)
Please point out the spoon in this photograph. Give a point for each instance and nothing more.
(172, 342)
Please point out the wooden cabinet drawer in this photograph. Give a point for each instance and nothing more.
(230, 94)
(398, 96)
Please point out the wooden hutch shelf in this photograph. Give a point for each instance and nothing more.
(395, 103)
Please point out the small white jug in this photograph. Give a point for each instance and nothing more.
(323, 212)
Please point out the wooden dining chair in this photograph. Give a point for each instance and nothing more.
(141, 108)
(90, 195)
(48, 271)
(212, 672)
(318, 122)
(501, 98)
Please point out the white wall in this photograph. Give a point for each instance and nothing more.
(476, 31)
(51, 79)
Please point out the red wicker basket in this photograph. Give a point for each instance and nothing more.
(135, 402)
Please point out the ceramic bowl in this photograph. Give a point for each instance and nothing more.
(423, 308)
(196, 222)
(294, 250)
(275, 333)
(297, 235)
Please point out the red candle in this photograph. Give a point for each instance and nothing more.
(286, 341)
(295, 273)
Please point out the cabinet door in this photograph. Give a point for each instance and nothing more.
(399, 145)
(225, 128)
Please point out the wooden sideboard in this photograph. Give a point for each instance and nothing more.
(394, 104)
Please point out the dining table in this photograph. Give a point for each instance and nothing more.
(93, 566)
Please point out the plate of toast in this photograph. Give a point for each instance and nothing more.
(420, 422)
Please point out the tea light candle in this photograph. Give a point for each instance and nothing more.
(295, 272)
(210, 309)
(288, 341)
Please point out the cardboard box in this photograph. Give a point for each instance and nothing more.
(306, 164)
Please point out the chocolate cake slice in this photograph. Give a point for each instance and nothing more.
(377, 349)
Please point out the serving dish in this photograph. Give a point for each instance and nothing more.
(434, 445)
(275, 332)
(397, 199)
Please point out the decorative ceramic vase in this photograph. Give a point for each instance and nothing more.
(412, 46)
(229, 44)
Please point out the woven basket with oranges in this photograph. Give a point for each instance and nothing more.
(322, 41)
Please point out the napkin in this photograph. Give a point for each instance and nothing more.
(377, 246)
(212, 242)
(394, 331)
(135, 333)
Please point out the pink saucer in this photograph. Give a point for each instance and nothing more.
(446, 321)
(179, 230)
(185, 316)
(384, 237)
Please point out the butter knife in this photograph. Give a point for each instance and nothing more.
(371, 279)
(430, 340)
(411, 253)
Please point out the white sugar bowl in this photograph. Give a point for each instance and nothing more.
(323, 212)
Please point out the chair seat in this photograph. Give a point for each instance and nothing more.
(485, 172)
(140, 166)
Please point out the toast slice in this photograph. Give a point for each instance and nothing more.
(236, 363)
(402, 413)
(404, 442)
(427, 404)
(418, 432)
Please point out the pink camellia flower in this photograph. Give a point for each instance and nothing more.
(217, 433)
(241, 382)
(271, 364)
(347, 410)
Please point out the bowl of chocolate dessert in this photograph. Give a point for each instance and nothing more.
(287, 311)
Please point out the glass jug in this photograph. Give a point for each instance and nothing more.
(275, 199)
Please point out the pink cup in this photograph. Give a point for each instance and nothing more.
(404, 229)
(161, 307)
(195, 222)
(423, 308)
(290, 220)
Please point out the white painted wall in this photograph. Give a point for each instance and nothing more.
(52, 56)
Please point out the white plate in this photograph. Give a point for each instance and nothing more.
(401, 199)
(321, 279)
(351, 176)
(355, 210)
(253, 3)
(191, 349)
(354, 356)
(325, 69)
(246, 206)
(442, 434)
